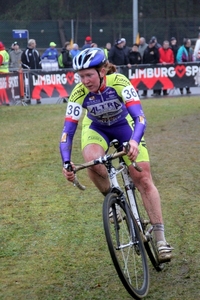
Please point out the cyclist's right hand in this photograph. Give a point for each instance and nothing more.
(68, 171)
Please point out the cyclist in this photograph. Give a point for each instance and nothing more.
(113, 111)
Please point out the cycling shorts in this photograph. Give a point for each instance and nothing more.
(94, 134)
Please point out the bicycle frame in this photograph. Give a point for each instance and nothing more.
(128, 185)
(113, 172)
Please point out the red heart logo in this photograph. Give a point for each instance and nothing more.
(180, 71)
(70, 77)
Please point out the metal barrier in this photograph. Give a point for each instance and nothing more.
(49, 65)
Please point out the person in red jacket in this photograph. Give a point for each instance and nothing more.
(4, 68)
(4, 59)
(166, 57)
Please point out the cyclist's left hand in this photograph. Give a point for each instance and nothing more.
(70, 176)
(133, 150)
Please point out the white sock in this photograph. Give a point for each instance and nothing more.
(159, 232)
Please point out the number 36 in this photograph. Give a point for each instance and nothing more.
(130, 93)
(74, 110)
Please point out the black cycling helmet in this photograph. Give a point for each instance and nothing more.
(89, 58)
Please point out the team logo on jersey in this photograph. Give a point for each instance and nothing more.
(101, 108)
(122, 80)
(77, 93)
(141, 119)
(111, 92)
(94, 138)
(64, 137)
(92, 98)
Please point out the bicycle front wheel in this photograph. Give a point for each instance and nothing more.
(126, 246)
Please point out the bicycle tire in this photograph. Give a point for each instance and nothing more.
(126, 246)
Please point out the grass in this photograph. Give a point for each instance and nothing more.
(52, 244)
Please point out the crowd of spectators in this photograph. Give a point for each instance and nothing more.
(154, 53)
(151, 52)
(168, 52)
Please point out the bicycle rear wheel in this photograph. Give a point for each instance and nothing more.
(126, 246)
(152, 252)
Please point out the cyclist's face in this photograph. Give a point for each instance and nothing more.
(90, 79)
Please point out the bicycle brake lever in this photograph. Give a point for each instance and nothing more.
(126, 146)
(139, 169)
(68, 166)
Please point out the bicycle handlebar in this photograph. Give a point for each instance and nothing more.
(100, 160)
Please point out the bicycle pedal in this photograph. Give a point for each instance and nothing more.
(145, 222)
(163, 260)
(147, 236)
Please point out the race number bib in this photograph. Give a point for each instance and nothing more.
(74, 110)
(130, 94)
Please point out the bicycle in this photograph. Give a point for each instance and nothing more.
(129, 237)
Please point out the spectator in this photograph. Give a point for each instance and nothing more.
(197, 49)
(107, 49)
(157, 45)
(126, 48)
(11, 48)
(94, 45)
(174, 47)
(15, 57)
(51, 53)
(134, 55)
(65, 59)
(31, 59)
(88, 42)
(4, 67)
(142, 46)
(4, 59)
(166, 56)
(185, 54)
(117, 55)
(74, 51)
(151, 56)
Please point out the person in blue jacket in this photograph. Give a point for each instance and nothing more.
(185, 54)
(51, 53)
(75, 50)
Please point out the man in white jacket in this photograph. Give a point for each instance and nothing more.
(197, 49)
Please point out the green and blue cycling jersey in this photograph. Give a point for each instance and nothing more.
(113, 112)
